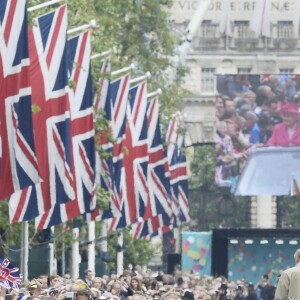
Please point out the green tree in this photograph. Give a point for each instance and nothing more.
(136, 252)
(210, 206)
(288, 209)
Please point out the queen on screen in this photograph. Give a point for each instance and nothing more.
(287, 133)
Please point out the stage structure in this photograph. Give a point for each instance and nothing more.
(249, 254)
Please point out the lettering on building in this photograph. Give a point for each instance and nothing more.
(217, 5)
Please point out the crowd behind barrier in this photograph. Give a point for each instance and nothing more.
(134, 284)
(253, 111)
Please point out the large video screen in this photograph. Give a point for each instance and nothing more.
(254, 112)
(251, 259)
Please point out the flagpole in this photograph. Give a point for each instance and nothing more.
(76, 259)
(24, 251)
(39, 6)
(91, 246)
(141, 78)
(126, 69)
(104, 245)
(155, 93)
(120, 254)
(92, 24)
(52, 260)
(105, 53)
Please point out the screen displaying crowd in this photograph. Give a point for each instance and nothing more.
(253, 111)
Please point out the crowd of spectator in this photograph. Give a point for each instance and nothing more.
(138, 285)
(253, 111)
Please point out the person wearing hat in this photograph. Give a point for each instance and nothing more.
(239, 293)
(288, 286)
(223, 292)
(188, 295)
(287, 133)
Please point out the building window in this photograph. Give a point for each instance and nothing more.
(208, 84)
(285, 29)
(244, 70)
(208, 30)
(242, 30)
(286, 71)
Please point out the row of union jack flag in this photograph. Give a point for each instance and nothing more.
(49, 166)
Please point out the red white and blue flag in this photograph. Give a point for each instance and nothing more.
(82, 121)
(159, 208)
(134, 184)
(82, 134)
(109, 170)
(9, 275)
(18, 163)
(49, 80)
(154, 226)
(159, 201)
(114, 107)
(178, 174)
(103, 86)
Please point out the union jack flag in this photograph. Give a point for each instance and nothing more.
(9, 275)
(49, 79)
(151, 227)
(18, 163)
(134, 184)
(159, 201)
(159, 209)
(82, 123)
(109, 170)
(178, 174)
(117, 112)
(82, 133)
(102, 92)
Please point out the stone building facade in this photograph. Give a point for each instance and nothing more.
(244, 51)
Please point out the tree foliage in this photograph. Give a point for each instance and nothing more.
(136, 252)
(210, 206)
(288, 209)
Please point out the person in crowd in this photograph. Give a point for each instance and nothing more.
(74, 288)
(67, 278)
(188, 295)
(136, 286)
(251, 292)
(229, 104)
(83, 295)
(239, 293)
(288, 286)
(99, 284)
(223, 292)
(265, 290)
(43, 281)
(117, 289)
(250, 96)
(220, 107)
(287, 133)
(54, 281)
(263, 94)
(95, 293)
(88, 277)
(266, 125)
(251, 127)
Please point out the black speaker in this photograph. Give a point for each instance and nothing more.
(174, 260)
